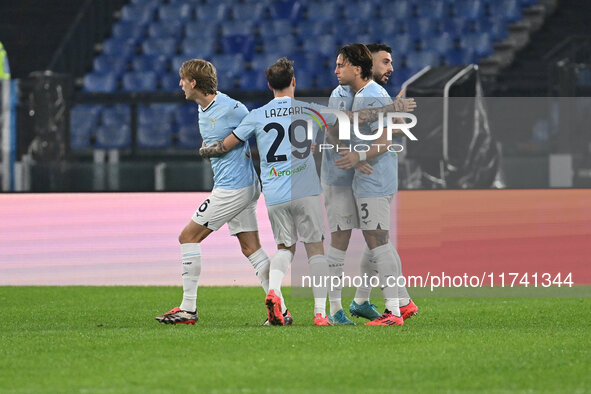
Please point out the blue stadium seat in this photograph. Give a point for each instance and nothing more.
(313, 62)
(276, 28)
(243, 44)
(496, 27)
(458, 55)
(116, 115)
(312, 28)
(170, 82)
(128, 29)
(139, 81)
(417, 60)
(304, 79)
(83, 122)
(470, 9)
(212, 13)
(346, 29)
(140, 14)
(166, 29)
(159, 46)
(400, 9)
(509, 10)
(285, 9)
(201, 30)
(176, 63)
(279, 46)
(104, 64)
(323, 12)
(401, 44)
(197, 48)
(253, 80)
(100, 83)
(326, 79)
(156, 113)
(175, 12)
(421, 27)
(154, 136)
(228, 63)
(113, 136)
(123, 48)
(401, 75)
(433, 9)
(326, 45)
(185, 115)
(226, 80)
(362, 11)
(189, 137)
(255, 12)
(383, 28)
(455, 26)
(480, 43)
(261, 62)
(232, 29)
(157, 63)
(440, 43)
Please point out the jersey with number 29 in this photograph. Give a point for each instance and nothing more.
(288, 169)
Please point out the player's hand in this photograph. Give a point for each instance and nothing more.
(348, 160)
(212, 150)
(403, 104)
(364, 167)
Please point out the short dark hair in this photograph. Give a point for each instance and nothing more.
(374, 48)
(280, 73)
(358, 55)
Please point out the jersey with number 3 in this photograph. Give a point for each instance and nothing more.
(288, 169)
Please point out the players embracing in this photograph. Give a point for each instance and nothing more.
(290, 185)
(358, 200)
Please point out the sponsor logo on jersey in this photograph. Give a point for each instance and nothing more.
(276, 174)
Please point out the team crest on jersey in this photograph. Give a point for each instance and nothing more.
(213, 122)
(342, 105)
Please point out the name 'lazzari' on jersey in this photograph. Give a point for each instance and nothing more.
(288, 169)
(234, 170)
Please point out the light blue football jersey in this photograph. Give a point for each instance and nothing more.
(383, 181)
(288, 168)
(234, 170)
(341, 98)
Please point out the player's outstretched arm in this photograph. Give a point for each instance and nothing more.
(219, 148)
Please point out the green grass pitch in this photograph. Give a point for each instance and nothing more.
(105, 340)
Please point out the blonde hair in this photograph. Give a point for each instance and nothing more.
(204, 74)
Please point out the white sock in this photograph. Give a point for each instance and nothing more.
(277, 270)
(336, 264)
(387, 271)
(191, 263)
(260, 262)
(320, 275)
(367, 271)
(403, 297)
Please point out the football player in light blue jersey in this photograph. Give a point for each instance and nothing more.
(372, 193)
(290, 184)
(234, 196)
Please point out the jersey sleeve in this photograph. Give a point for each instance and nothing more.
(247, 127)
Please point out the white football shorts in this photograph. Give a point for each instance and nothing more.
(302, 216)
(341, 208)
(236, 207)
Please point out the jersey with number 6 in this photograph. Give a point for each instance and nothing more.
(288, 170)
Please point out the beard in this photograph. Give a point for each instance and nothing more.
(381, 79)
